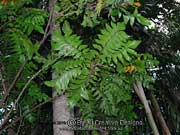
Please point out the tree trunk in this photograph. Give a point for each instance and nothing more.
(159, 116)
(61, 114)
(140, 92)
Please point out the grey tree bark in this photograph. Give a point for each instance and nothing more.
(61, 114)
(159, 115)
(140, 92)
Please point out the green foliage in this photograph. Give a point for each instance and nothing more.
(31, 19)
(97, 83)
(22, 45)
(93, 11)
(29, 116)
(114, 44)
(112, 94)
(92, 75)
(62, 82)
(127, 11)
(18, 46)
(77, 89)
(35, 93)
(90, 19)
(68, 44)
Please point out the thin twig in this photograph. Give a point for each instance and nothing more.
(19, 96)
(13, 83)
(31, 110)
(50, 25)
(17, 76)
(4, 25)
(50, 21)
(2, 80)
(23, 90)
(20, 124)
(46, 33)
(5, 119)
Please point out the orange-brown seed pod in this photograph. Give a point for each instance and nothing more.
(130, 69)
(4, 2)
(137, 4)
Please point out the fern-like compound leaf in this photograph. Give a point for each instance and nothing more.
(115, 45)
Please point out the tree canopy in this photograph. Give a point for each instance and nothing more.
(112, 58)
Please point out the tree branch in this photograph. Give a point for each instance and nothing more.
(159, 116)
(22, 91)
(46, 34)
(12, 84)
(19, 96)
(50, 22)
(49, 26)
(2, 79)
(140, 92)
(31, 110)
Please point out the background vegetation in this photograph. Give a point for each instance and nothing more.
(99, 52)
